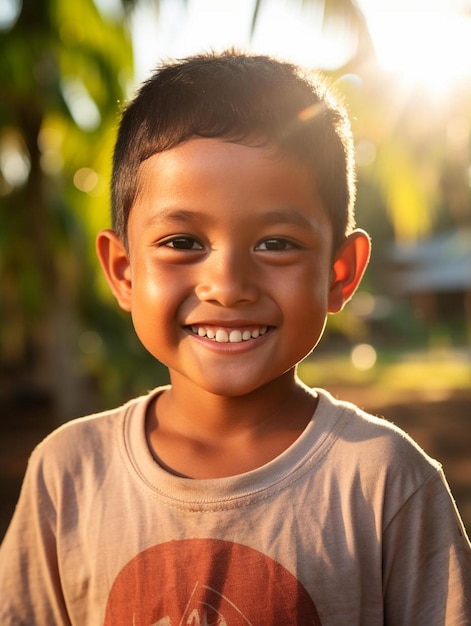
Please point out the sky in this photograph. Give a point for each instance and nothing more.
(426, 40)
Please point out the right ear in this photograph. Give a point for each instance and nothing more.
(114, 260)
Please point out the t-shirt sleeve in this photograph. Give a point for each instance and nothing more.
(29, 571)
(427, 560)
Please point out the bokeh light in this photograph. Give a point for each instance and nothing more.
(363, 356)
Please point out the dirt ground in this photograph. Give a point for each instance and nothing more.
(441, 425)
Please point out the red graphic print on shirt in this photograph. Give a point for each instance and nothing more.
(207, 582)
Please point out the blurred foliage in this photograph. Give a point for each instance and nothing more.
(413, 154)
(439, 371)
(66, 66)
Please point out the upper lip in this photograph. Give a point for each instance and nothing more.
(236, 323)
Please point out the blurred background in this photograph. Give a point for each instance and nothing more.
(401, 348)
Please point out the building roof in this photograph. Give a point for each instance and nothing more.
(441, 263)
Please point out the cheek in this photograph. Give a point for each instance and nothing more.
(158, 298)
(307, 301)
(154, 287)
(151, 297)
(308, 291)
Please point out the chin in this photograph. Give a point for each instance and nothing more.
(230, 391)
(229, 386)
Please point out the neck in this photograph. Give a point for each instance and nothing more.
(223, 414)
(198, 434)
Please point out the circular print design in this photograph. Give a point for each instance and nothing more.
(207, 582)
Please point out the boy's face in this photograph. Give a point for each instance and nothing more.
(230, 271)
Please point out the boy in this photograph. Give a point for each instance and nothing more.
(236, 495)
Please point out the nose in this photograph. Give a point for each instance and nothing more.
(227, 278)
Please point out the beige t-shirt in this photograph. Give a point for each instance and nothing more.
(353, 524)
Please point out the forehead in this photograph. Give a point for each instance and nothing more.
(218, 153)
(214, 160)
(228, 180)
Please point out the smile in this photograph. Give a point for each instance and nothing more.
(225, 335)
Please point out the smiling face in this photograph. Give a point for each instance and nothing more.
(229, 272)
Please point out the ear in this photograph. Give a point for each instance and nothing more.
(114, 260)
(349, 266)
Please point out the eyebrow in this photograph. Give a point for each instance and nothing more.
(171, 215)
(286, 216)
(289, 216)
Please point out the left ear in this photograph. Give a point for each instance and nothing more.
(349, 266)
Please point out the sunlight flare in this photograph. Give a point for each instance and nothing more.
(428, 47)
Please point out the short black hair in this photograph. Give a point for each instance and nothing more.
(249, 99)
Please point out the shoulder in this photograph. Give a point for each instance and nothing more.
(83, 445)
(375, 437)
(373, 455)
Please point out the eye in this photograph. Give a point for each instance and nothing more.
(182, 243)
(276, 244)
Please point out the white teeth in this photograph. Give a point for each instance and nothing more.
(222, 335)
(235, 336)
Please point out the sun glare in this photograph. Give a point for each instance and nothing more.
(421, 42)
(284, 28)
(430, 47)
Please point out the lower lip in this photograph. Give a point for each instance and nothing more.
(240, 346)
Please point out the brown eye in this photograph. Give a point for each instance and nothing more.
(183, 243)
(276, 244)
